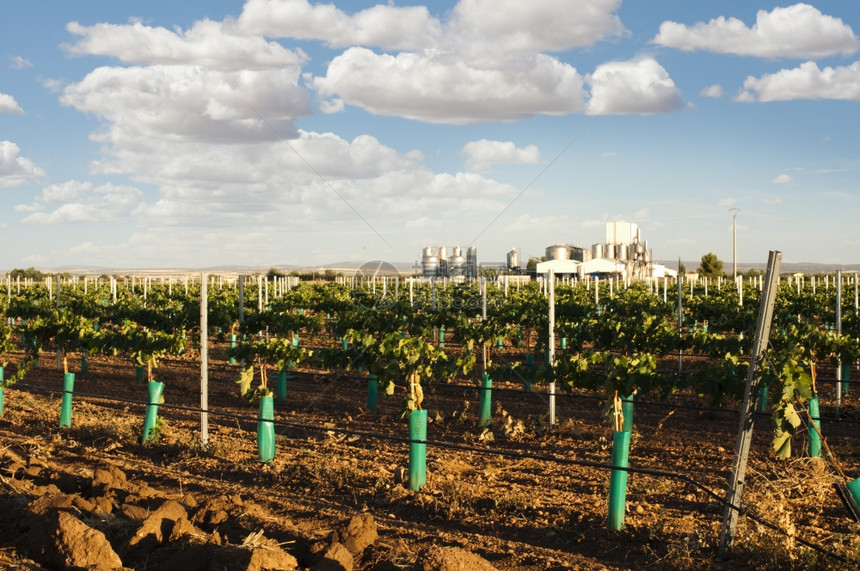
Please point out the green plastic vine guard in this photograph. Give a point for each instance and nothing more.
(233, 346)
(442, 336)
(372, 393)
(139, 373)
(66, 407)
(854, 487)
(266, 430)
(486, 401)
(344, 344)
(154, 390)
(846, 376)
(815, 430)
(563, 343)
(618, 479)
(417, 450)
(762, 398)
(2, 385)
(281, 386)
(627, 412)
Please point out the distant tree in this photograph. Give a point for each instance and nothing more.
(753, 273)
(682, 269)
(329, 275)
(711, 266)
(533, 262)
(274, 273)
(29, 273)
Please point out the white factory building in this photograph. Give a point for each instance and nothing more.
(623, 253)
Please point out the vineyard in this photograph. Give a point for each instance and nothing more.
(387, 423)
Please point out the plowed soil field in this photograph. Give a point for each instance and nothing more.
(90, 496)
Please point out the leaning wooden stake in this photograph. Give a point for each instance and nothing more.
(745, 430)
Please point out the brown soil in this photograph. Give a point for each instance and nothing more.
(91, 497)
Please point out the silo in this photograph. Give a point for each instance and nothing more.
(597, 250)
(513, 260)
(558, 252)
(472, 261)
(621, 252)
(609, 251)
(456, 263)
(429, 263)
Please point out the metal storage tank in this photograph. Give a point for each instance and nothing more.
(597, 250)
(558, 252)
(513, 260)
(456, 264)
(472, 261)
(442, 252)
(609, 251)
(621, 251)
(429, 265)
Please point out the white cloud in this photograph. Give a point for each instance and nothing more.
(552, 224)
(485, 27)
(481, 155)
(19, 62)
(9, 105)
(16, 170)
(798, 31)
(392, 27)
(190, 102)
(206, 43)
(806, 81)
(783, 179)
(715, 91)
(444, 89)
(639, 86)
(81, 202)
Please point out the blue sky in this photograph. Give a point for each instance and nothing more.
(269, 132)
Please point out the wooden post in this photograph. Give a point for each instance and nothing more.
(551, 343)
(838, 332)
(745, 428)
(204, 362)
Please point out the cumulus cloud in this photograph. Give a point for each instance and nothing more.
(385, 26)
(206, 43)
(490, 26)
(639, 86)
(798, 31)
(190, 102)
(481, 155)
(19, 62)
(783, 179)
(16, 170)
(715, 91)
(81, 202)
(806, 81)
(438, 88)
(9, 105)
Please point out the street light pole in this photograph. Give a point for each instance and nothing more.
(734, 212)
